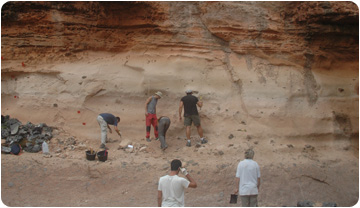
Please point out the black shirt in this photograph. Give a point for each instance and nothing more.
(190, 102)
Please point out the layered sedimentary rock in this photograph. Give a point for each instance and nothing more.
(284, 68)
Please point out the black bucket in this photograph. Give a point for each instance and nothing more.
(90, 156)
(103, 155)
(233, 199)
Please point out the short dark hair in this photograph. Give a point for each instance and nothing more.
(118, 119)
(175, 165)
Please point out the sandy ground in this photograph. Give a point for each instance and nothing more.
(292, 169)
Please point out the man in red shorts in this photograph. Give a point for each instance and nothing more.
(150, 113)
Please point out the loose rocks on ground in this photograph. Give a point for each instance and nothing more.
(29, 136)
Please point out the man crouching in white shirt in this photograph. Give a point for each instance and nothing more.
(171, 187)
(248, 180)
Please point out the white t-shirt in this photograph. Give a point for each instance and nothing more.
(248, 171)
(172, 188)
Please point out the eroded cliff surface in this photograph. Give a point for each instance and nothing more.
(286, 69)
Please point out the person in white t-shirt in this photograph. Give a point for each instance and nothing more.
(171, 187)
(248, 180)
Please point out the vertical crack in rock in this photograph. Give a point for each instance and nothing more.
(225, 47)
(309, 80)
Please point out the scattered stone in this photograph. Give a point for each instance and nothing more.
(55, 105)
(230, 145)
(124, 143)
(143, 149)
(129, 149)
(243, 122)
(70, 141)
(81, 146)
(84, 77)
(256, 142)
(329, 204)
(221, 152)
(341, 89)
(305, 204)
(10, 184)
(290, 146)
(197, 145)
(14, 128)
(308, 147)
(231, 136)
(248, 137)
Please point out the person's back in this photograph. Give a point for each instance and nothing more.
(190, 102)
(163, 126)
(248, 172)
(173, 190)
(248, 180)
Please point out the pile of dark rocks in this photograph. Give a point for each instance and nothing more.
(29, 136)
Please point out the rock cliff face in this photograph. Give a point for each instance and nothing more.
(286, 69)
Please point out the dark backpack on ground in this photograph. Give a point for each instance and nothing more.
(15, 149)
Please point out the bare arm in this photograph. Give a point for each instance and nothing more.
(109, 129)
(258, 183)
(192, 181)
(237, 183)
(159, 198)
(199, 103)
(117, 130)
(180, 109)
(146, 104)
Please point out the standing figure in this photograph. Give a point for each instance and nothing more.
(171, 187)
(191, 114)
(104, 120)
(163, 124)
(150, 114)
(248, 180)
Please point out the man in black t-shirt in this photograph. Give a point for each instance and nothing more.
(191, 114)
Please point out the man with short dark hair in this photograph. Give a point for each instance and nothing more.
(171, 187)
(248, 180)
(104, 120)
(191, 114)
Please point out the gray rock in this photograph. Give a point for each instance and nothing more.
(305, 203)
(231, 136)
(329, 204)
(5, 132)
(10, 184)
(14, 128)
(5, 149)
